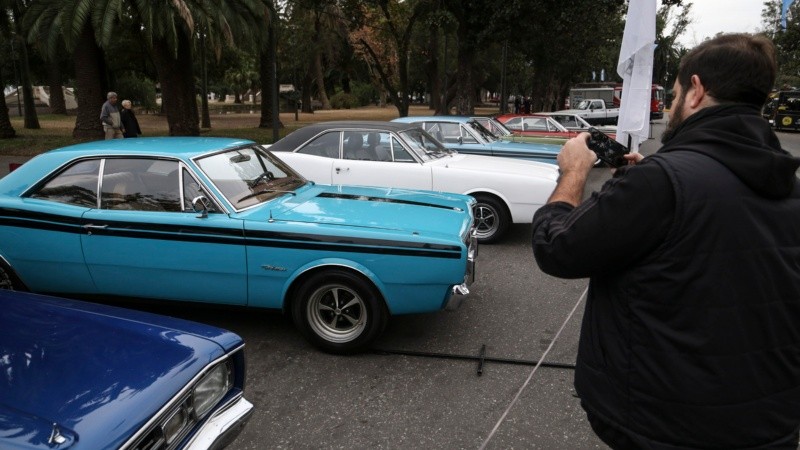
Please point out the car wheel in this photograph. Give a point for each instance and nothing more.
(9, 280)
(491, 219)
(338, 311)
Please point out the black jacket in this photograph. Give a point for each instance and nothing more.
(691, 335)
(129, 123)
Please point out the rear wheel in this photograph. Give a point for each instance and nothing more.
(338, 311)
(491, 219)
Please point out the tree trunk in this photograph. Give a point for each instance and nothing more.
(308, 81)
(432, 69)
(89, 91)
(464, 87)
(31, 119)
(57, 103)
(319, 76)
(206, 117)
(178, 95)
(6, 129)
(266, 74)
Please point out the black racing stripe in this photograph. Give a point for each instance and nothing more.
(41, 225)
(227, 236)
(317, 238)
(383, 199)
(15, 213)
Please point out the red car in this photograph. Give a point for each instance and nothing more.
(535, 125)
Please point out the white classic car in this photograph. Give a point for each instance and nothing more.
(403, 155)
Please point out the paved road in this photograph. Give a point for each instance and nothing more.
(308, 399)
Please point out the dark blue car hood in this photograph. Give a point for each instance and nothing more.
(97, 372)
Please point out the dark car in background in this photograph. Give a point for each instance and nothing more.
(77, 375)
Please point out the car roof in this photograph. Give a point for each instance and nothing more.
(300, 136)
(412, 119)
(153, 146)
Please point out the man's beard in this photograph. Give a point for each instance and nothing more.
(675, 120)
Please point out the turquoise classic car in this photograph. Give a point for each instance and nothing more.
(223, 221)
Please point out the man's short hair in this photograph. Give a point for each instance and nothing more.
(733, 68)
(111, 95)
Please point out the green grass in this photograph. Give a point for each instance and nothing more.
(56, 130)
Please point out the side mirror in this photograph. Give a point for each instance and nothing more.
(200, 205)
(461, 140)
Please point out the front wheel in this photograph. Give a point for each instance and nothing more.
(491, 219)
(338, 311)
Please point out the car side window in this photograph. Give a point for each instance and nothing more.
(450, 132)
(399, 153)
(77, 185)
(326, 145)
(534, 124)
(191, 190)
(140, 184)
(514, 124)
(466, 136)
(353, 146)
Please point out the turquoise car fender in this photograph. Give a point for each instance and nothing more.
(330, 263)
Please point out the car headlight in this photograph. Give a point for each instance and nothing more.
(174, 426)
(212, 387)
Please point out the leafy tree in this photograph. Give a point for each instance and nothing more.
(670, 25)
(167, 28)
(382, 34)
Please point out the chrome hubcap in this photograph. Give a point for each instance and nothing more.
(485, 220)
(336, 313)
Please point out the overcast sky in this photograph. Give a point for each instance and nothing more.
(729, 16)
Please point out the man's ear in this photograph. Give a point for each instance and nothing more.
(697, 95)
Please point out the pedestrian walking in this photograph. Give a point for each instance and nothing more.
(130, 124)
(109, 116)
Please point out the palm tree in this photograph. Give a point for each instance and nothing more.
(21, 50)
(168, 28)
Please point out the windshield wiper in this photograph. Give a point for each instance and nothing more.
(253, 194)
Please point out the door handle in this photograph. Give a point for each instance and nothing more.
(89, 227)
(340, 169)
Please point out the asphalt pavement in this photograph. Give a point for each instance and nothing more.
(383, 400)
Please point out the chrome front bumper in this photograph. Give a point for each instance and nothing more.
(221, 429)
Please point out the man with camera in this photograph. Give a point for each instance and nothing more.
(691, 333)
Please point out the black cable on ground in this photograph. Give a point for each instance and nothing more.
(481, 358)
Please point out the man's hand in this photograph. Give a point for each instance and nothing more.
(633, 158)
(576, 156)
(575, 162)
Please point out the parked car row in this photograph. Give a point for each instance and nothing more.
(403, 155)
(341, 225)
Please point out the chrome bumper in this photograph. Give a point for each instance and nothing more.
(223, 428)
(461, 291)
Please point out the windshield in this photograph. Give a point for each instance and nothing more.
(423, 145)
(497, 128)
(249, 176)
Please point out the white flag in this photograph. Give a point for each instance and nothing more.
(635, 66)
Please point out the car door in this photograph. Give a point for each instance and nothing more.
(40, 233)
(381, 161)
(145, 241)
